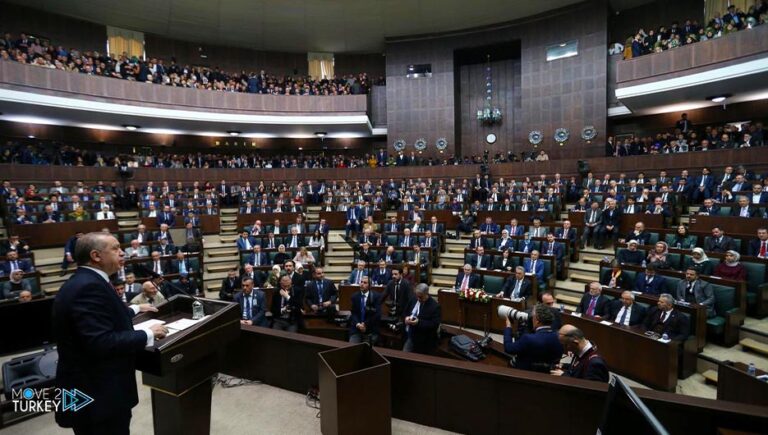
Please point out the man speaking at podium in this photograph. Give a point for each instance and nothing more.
(96, 341)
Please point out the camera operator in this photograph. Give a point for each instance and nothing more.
(539, 351)
(366, 315)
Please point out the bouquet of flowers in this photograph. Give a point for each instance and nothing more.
(475, 295)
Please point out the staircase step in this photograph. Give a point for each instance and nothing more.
(754, 346)
(50, 290)
(128, 223)
(228, 219)
(228, 228)
(126, 214)
(228, 239)
(586, 267)
(222, 252)
(442, 282)
(228, 211)
(568, 285)
(450, 262)
(220, 267)
(710, 376)
(582, 277)
(567, 299)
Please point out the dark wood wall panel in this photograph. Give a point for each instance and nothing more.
(568, 93)
(64, 31)
(625, 23)
(378, 106)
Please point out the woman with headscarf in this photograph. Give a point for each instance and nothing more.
(731, 268)
(659, 256)
(274, 277)
(698, 261)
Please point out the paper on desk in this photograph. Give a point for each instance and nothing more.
(147, 324)
(605, 322)
(182, 324)
(576, 314)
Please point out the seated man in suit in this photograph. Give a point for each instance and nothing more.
(365, 315)
(516, 286)
(50, 216)
(252, 304)
(719, 242)
(390, 256)
(270, 242)
(535, 266)
(434, 226)
(479, 260)
(566, 232)
(422, 319)
(150, 294)
(744, 209)
(406, 240)
(625, 311)
(591, 222)
(357, 275)
(695, 291)
(12, 262)
(476, 240)
(245, 242)
(131, 287)
(398, 294)
(430, 242)
(658, 207)
(165, 248)
(392, 226)
(649, 282)
(322, 293)
(164, 233)
(466, 279)
(551, 247)
(257, 257)
(136, 250)
(489, 227)
(366, 254)
(586, 362)
(610, 220)
(229, 286)
(593, 303)
(167, 216)
(287, 304)
(631, 255)
(418, 257)
(539, 351)
(158, 265)
(664, 319)
(759, 247)
(255, 275)
(709, 208)
(294, 240)
(181, 264)
(639, 234)
(536, 230)
(382, 275)
(514, 228)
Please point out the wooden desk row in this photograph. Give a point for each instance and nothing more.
(628, 221)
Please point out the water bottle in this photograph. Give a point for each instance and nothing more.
(562, 308)
(751, 370)
(197, 310)
(665, 337)
(644, 265)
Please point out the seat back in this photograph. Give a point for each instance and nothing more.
(671, 284)
(755, 275)
(725, 211)
(725, 299)
(654, 238)
(674, 260)
(493, 284)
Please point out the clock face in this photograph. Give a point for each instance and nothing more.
(491, 138)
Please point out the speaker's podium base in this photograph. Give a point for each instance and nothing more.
(354, 391)
(180, 367)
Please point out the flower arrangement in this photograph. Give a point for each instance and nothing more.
(475, 295)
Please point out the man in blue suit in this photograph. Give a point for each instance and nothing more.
(357, 275)
(489, 227)
(703, 186)
(467, 279)
(366, 315)
(96, 341)
(245, 242)
(649, 282)
(321, 292)
(535, 266)
(12, 263)
(382, 275)
(479, 260)
(258, 258)
(514, 229)
(252, 304)
(539, 351)
(166, 217)
(353, 220)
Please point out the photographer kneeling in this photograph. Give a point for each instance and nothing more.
(539, 351)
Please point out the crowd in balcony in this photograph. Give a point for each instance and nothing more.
(667, 37)
(687, 137)
(40, 52)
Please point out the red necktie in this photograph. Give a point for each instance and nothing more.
(763, 249)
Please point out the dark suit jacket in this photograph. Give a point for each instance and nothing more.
(499, 263)
(509, 287)
(537, 351)
(263, 259)
(636, 316)
(612, 218)
(601, 306)
(712, 245)
(625, 256)
(589, 366)
(372, 315)
(97, 347)
(754, 247)
(424, 333)
(485, 262)
(677, 327)
(643, 238)
(258, 308)
(403, 296)
(228, 289)
(474, 280)
(330, 293)
(395, 257)
(570, 235)
(751, 210)
(296, 303)
(656, 287)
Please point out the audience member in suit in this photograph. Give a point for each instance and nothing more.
(586, 363)
(631, 255)
(382, 275)
(719, 242)
(252, 303)
(489, 227)
(625, 311)
(649, 282)
(158, 265)
(287, 304)
(759, 247)
(357, 275)
(505, 262)
(12, 262)
(516, 286)
(256, 275)
(535, 266)
(479, 260)
(96, 340)
(593, 303)
(365, 315)
(744, 209)
(476, 240)
(295, 271)
(13, 243)
(695, 291)
(321, 293)
(418, 257)
(245, 242)
(466, 279)
(229, 286)
(664, 319)
(399, 292)
(539, 351)
(514, 228)
(566, 232)
(257, 257)
(50, 216)
(136, 250)
(591, 223)
(390, 256)
(186, 285)
(270, 242)
(166, 217)
(709, 208)
(551, 247)
(642, 236)
(131, 287)
(422, 319)
(610, 220)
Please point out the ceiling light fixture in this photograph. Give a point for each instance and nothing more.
(233, 133)
(321, 134)
(31, 136)
(719, 98)
(131, 127)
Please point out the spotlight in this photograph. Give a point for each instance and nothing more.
(321, 134)
(233, 133)
(719, 98)
(31, 136)
(131, 127)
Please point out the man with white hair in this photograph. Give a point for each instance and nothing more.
(422, 319)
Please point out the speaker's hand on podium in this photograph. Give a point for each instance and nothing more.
(143, 308)
(159, 331)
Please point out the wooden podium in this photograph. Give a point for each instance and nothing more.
(179, 367)
(354, 391)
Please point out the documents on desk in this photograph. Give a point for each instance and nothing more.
(173, 327)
